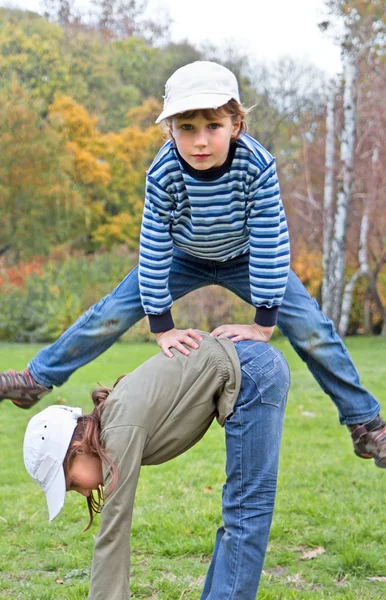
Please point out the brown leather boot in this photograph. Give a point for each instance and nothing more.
(21, 388)
(369, 440)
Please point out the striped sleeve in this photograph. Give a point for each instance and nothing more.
(269, 246)
(155, 257)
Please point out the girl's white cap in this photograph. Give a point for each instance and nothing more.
(198, 85)
(46, 441)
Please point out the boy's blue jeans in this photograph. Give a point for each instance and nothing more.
(311, 334)
(253, 435)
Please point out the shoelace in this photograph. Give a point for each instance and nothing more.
(13, 379)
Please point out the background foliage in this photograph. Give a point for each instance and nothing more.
(78, 98)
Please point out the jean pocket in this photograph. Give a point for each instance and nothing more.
(270, 374)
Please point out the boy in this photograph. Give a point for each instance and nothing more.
(212, 215)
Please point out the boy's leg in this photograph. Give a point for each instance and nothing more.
(95, 331)
(91, 334)
(253, 435)
(315, 339)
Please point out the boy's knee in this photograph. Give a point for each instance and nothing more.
(104, 317)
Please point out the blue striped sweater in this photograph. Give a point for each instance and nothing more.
(237, 212)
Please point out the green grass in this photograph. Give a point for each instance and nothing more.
(326, 498)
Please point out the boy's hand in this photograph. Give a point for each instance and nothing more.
(236, 333)
(174, 338)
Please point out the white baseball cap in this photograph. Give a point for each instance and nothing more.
(46, 441)
(199, 85)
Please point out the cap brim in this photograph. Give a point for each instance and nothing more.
(56, 495)
(197, 102)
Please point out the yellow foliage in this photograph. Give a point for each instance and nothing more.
(122, 228)
(308, 267)
(75, 122)
(110, 169)
(88, 168)
(145, 115)
(84, 141)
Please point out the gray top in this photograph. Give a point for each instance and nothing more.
(155, 413)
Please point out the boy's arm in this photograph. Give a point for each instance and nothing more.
(237, 333)
(110, 571)
(269, 259)
(155, 258)
(175, 338)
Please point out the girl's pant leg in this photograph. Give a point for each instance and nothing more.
(103, 323)
(253, 436)
(316, 341)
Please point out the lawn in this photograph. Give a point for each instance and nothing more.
(329, 502)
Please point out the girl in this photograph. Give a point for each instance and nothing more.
(152, 415)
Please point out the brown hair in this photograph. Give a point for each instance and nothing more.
(232, 109)
(86, 440)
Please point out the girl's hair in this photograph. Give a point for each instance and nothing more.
(232, 109)
(86, 440)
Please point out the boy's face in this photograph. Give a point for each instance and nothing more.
(201, 142)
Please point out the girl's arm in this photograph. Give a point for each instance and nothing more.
(110, 573)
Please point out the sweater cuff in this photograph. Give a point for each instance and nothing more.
(161, 323)
(266, 317)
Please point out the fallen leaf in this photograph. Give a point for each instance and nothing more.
(207, 489)
(341, 581)
(312, 553)
(59, 580)
(296, 578)
(376, 578)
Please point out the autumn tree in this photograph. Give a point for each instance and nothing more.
(109, 169)
(30, 52)
(39, 207)
(129, 153)
(88, 170)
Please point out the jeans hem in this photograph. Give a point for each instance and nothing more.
(361, 419)
(41, 379)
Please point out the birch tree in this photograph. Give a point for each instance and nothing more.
(328, 196)
(363, 270)
(362, 24)
(337, 258)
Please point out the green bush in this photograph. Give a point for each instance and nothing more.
(48, 303)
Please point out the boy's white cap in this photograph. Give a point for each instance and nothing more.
(199, 85)
(46, 441)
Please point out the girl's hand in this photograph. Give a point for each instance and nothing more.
(174, 338)
(236, 333)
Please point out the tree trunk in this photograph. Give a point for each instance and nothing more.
(338, 249)
(361, 272)
(328, 198)
(367, 317)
